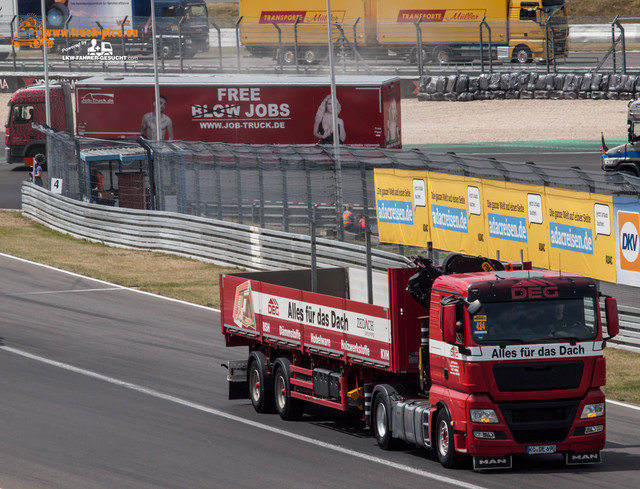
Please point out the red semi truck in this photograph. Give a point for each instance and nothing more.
(233, 109)
(479, 365)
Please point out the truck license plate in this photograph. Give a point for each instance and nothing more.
(538, 449)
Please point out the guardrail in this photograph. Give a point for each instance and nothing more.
(224, 243)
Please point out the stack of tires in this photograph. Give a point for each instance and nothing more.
(526, 85)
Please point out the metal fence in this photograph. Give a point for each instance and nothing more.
(476, 44)
(229, 244)
(283, 187)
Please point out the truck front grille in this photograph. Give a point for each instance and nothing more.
(540, 422)
(538, 376)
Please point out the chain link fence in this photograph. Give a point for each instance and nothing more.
(276, 187)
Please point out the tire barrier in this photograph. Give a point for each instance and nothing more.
(527, 85)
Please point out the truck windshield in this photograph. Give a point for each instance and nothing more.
(197, 11)
(517, 322)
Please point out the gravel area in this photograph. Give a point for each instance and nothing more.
(511, 120)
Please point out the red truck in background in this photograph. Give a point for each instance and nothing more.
(479, 365)
(233, 109)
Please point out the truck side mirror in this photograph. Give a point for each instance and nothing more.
(449, 314)
(611, 310)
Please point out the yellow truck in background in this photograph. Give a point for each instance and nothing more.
(521, 31)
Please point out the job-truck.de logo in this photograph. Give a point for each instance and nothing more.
(629, 226)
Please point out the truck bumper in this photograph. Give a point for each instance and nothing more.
(567, 434)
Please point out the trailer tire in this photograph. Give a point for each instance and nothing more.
(259, 383)
(444, 443)
(442, 54)
(311, 56)
(289, 408)
(522, 55)
(288, 56)
(381, 422)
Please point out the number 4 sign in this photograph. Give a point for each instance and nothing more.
(56, 185)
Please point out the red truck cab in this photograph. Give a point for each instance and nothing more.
(520, 370)
(27, 106)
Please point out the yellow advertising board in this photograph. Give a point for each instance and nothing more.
(456, 214)
(516, 222)
(580, 233)
(550, 227)
(401, 206)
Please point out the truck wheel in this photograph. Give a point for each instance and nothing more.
(167, 51)
(288, 408)
(447, 454)
(442, 54)
(522, 55)
(260, 398)
(382, 422)
(630, 169)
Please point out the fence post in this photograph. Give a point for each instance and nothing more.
(280, 53)
(215, 26)
(295, 42)
(419, 44)
(285, 198)
(237, 41)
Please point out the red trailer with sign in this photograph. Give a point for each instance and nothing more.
(232, 109)
(485, 363)
(244, 109)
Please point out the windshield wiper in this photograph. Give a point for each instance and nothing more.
(507, 341)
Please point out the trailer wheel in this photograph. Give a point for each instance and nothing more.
(413, 55)
(522, 55)
(310, 56)
(445, 448)
(382, 422)
(260, 396)
(442, 54)
(288, 408)
(288, 56)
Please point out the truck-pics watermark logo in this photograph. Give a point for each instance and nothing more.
(92, 40)
(29, 33)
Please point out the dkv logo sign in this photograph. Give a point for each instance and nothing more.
(629, 226)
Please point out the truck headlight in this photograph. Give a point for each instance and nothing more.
(593, 411)
(483, 416)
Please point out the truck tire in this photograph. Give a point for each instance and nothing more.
(381, 422)
(444, 445)
(260, 395)
(522, 55)
(289, 408)
(630, 169)
(442, 54)
(167, 50)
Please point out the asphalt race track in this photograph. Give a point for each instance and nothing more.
(108, 387)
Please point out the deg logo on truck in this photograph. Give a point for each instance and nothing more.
(629, 226)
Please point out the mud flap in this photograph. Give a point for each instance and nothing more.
(574, 458)
(237, 379)
(490, 463)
